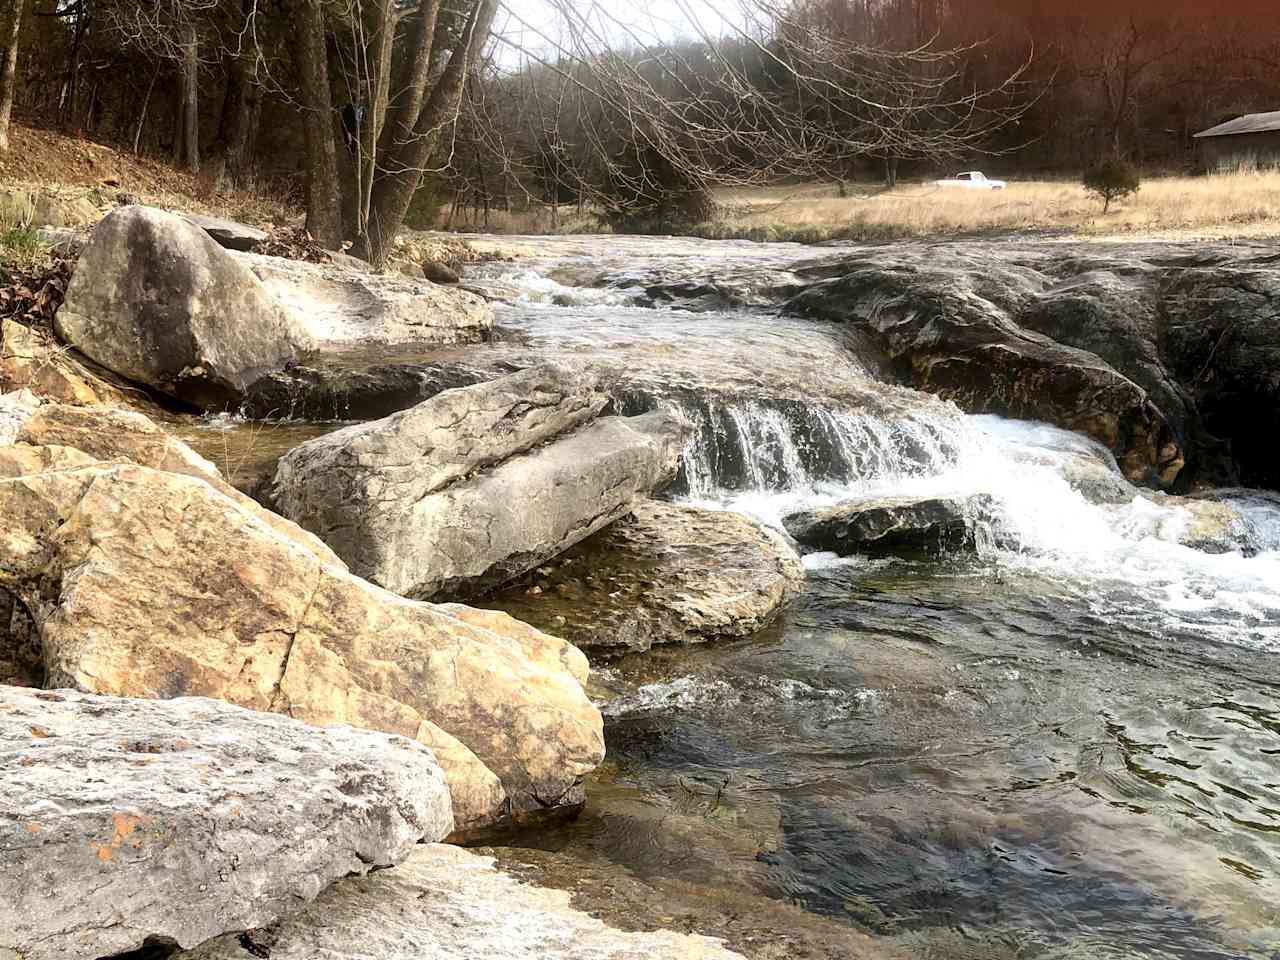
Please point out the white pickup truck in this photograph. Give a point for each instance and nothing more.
(972, 180)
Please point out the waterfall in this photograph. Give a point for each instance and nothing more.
(762, 446)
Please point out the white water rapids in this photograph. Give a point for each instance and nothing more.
(782, 426)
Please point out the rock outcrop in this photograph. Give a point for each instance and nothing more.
(892, 525)
(446, 902)
(664, 574)
(158, 302)
(132, 822)
(339, 305)
(1164, 356)
(152, 584)
(477, 485)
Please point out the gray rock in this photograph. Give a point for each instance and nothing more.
(128, 821)
(445, 903)
(665, 574)
(155, 300)
(229, 233)
(340, 305)
(455, 495)
(891, 525)
(352, 487)
(16, 408)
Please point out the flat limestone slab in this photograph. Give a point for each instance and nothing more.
(338, 305)
(447, 904)
(184, 819)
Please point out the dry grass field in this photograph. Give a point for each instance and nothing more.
(1208, 207)
(1221, 206)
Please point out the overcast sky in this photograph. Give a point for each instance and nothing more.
(654, 21)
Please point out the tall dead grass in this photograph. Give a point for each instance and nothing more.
(1219, 206)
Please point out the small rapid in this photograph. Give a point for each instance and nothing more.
(1062, 743)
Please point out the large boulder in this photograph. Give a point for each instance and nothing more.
(157, 301)
(132, 822)
(893, 525)
(340, 305)
(666, 573)
(106, 433)
(476, 485)
(153, 584)
(448, 903)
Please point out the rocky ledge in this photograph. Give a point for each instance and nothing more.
(447, 903)
(1165, 354)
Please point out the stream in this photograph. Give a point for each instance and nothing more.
(1064, 745)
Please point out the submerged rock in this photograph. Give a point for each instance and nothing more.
(155, 300)
(477, 485)
(929, 525)
(447, 903)
(152, 584)
(664, 574)
(124, 822)
(337, 304)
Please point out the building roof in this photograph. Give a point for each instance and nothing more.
(1249, 123)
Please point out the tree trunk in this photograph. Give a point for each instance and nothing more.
(190, 132)
(381, 34)
(8, 79)
(394, 191)
(324, 216)
(403, 111)
(142, 114)
(237, 117)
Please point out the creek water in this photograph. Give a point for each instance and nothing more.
(1065, 744)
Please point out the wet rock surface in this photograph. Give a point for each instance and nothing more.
(899, 525)
(1155, 351)
(665, 573)
(448, 903)
(124, 822)
(158, 302)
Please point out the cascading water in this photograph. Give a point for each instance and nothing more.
(1064, 746)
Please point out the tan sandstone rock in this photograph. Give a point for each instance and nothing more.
(152, 584)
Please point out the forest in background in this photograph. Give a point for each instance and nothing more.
(377, 110)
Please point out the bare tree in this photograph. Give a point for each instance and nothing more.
(8, 78)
